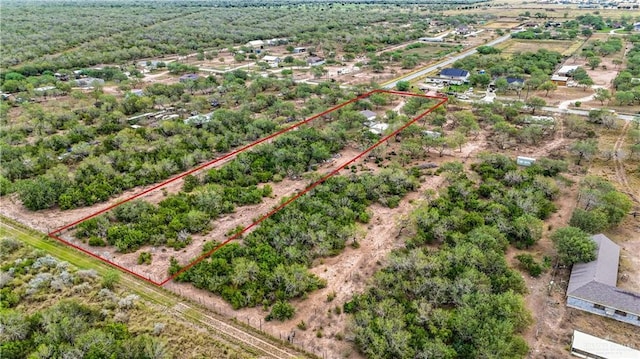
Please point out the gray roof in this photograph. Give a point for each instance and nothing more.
(368, 114)
(596, 281)
(609, 296)
(604, 269)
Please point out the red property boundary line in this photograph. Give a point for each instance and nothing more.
(55, 234)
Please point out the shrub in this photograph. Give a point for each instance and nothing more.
(97, 242)
(282, 311)
(110, 278)
(528, 263)
(144, 258)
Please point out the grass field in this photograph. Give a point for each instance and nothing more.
(564, 47)
(501, 24)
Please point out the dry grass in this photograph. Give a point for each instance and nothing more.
(501, 24)
(564, 47)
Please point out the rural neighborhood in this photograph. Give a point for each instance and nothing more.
(318, 179)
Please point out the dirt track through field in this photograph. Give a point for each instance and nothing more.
(621, 174)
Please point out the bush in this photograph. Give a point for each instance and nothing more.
(97, 242)
(282, 311)
(144, 258)
(110, 279)
(528, 263)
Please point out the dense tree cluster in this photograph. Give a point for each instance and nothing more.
(170, 223)
(517, 65)
(133, 31)
(601, 206)
(271, 263)
(627, 89)
(82, 157)
(460, 300)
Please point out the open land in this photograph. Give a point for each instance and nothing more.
(72, 150)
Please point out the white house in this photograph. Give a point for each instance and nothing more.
(567, 70)
(455, 76)
(256, 44)
(272, 61)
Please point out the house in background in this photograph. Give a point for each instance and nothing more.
(431, 39)
(255, 44)
(567, 70)
(88, 82)
(584, 345)
(454, 76)
(189, 77)
(592, 286)
(315, 61)
(559, 80)
(370, 115)
(272, 61)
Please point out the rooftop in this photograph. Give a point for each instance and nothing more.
(603, 270)
(454, 72)
(602, 348)
(596, 281)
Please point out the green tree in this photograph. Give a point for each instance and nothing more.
(602, 95)
(536, 103)
(584, 149)
(593, 62)
(282, 311)
(403, 85)
(548, 86)
(573, 245)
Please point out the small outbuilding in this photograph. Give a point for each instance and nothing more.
(272, 61)
(525, 161)
(315, 61)
(559, 80)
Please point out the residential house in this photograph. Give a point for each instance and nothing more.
(584, 345)
(454, 76)
(198, 120)
(636, 26)
(88, 82)
(315, 61)
(370, 115)
(592, 286)
(431, 39)
(559, 80)
(277, 41)
(566, 70)
(378, 128)
(255, 44)
(189, 77)
(272, 61)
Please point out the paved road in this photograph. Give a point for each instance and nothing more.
(582, 112)
(440, 64)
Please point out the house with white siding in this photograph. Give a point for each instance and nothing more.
(592, 286)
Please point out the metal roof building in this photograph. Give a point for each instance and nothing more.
(592, 286)
(587, 346)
